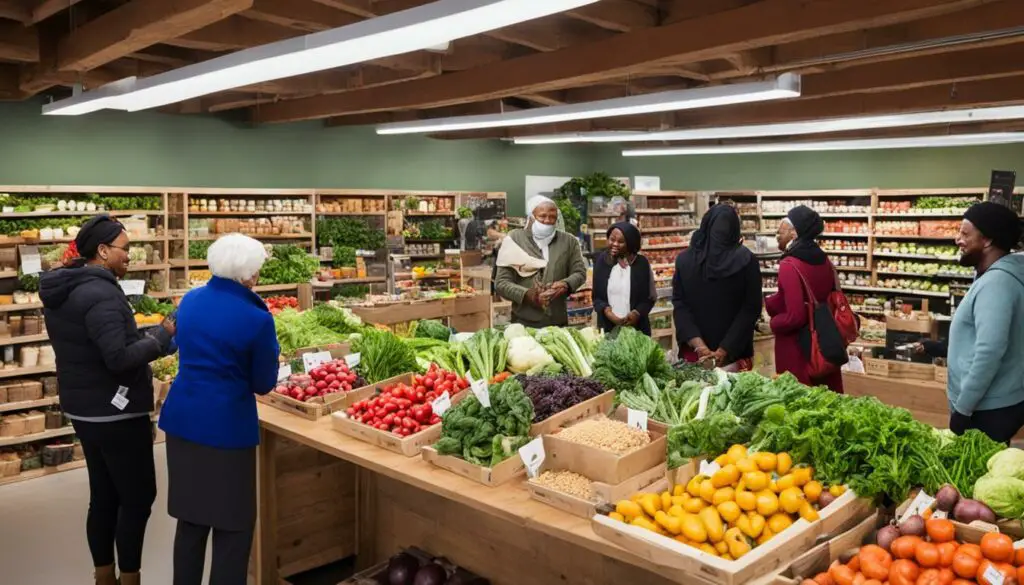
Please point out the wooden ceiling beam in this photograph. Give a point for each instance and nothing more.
(475, 109)
(18, 43)
(16, 10)
(299, 14)
(616, 15)
(231, 34)
(554, 98)
(47, 8)
(549, 34)
(10, 84)
(137, 25)
(757, 25)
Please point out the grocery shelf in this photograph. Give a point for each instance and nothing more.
(214, 237)
(949, 239)
(115, 213)
(50, 434)
(853, 268)
(25, 404)
(9, 274)
(668, 265)
(863, 215)
(146, 267)
(666, 246)
(663, 211)
(843, 235)
(659, 333)
(351, 213)
(182, 263)
(429, 213)
(248, 213)
(344, 281)
(669, 229)
(920, 214)
(24, 339)
(274, 287)
(18, 372)
(897, 291)
(916, 275)
(25, 475)
(769, 290)
(847, 252)
(20, 307)
(916, 256)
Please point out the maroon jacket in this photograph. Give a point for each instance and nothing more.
(788, 310)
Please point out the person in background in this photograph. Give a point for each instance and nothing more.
(106, 389)
(624, 291)
(538, 266)
(986, 337)
(802, 260)
(716, 293)
(228, 354)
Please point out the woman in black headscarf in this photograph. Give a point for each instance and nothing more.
(106, 389)
(803, 261)
(624, 290)
(716, 293)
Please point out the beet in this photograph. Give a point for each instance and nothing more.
(913, 526)
(968, 511)
(402, 569)
(946, 498)
(431, 574)
(886, 535)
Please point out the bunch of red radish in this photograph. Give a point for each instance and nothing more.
(406, 409)
(327, 378)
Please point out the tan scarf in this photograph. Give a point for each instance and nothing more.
(510, 255)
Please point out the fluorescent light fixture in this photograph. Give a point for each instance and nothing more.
(423, 27)
(87, 102)
(786, 85)
(789, 128)
(863, 144)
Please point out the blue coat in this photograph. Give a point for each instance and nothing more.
(227, 353)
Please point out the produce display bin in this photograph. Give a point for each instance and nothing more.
(1008, 526)
(409, 446)
(603, 492)
(846, 511)
(601, 404)
(818, 559)
(320, 406)
(898, 369)
(605, 466)
(501, 473)
(622, 413)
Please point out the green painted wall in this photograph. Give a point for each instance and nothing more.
(112, 148)
(893, 169)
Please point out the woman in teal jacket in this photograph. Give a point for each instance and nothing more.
(986, 338)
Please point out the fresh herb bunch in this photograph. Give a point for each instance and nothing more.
(337, 319)
(197, 249)
(382, 355)
(621, 360)
(434, 230)
(288, 264)
(488, 436)
(350, 291)
(28, 282)
(297, 330)
(147, 305)
(344, 256)
(347, 231)
(432, 329)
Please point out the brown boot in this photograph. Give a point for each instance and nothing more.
(105, 575)
(130, 578)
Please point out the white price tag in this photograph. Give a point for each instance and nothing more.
(442, 403)
(636, 418)
(479, 388)
(1018, 544)
(31, 261)
(705, 396)
(532, 455)
(120, 399)
(352, 360)
(284, 372)
(992, 575)
(921, 502)
(709, 468)
(940, 514)
(310, 361)
(133, 287)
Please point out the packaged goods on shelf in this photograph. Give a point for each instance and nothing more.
(941, 228)
(665, 239)
(681, 204)
(926, 204)
(769, 282)
(896, 228)
(662, 256)
(261, 226)
(846, 227)
(351, 205)
(911, 284)
(924, 268)
(236, 205)
(849, 261)
(833, 206)
(854, 279)
(423, 204)
(770, 264)
(829, 244)
(750, 225)
(939, 252)
(663, 221)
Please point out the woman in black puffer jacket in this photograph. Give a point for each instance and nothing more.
(106, 389)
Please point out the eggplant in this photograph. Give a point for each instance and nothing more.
(431, 574)
(402, 569)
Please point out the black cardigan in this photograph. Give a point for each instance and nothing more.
(642, 293)
(723, 312)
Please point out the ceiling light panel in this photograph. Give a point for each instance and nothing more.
(786, 85)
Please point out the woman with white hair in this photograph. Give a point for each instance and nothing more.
(228, 353)
(539, 266)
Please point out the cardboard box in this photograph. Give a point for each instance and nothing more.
(601, 404)
(409, 446)
(605, 466)
(699, 567)
(488, 476)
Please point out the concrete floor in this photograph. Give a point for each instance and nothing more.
(42, 534)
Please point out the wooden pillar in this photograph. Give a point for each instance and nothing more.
(266, 526)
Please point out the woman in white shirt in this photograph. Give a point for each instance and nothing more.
(624, 291)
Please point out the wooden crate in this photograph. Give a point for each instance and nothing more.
(897, 369)
(941, 375)
(489, 476)
(1010, 527)
(601, 404)
(409, 446)
(605, 466)
(622, 413)
(700, 567)
(320, 406)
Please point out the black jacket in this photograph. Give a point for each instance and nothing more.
(642, 293)
(723, 312)
(97, 344)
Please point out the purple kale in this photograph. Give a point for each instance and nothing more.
(553, 394)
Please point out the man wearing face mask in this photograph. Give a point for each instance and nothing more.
(538, 266)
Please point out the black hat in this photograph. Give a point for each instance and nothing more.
(101, 229)
(807, 223)
(996, 222)
(629, 233)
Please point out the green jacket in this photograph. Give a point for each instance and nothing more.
(565, 263)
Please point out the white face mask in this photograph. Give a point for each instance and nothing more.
(542, 231)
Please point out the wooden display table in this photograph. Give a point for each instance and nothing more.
(381, 501)
(925, 399)
(465, 313)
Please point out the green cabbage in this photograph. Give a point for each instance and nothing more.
(1005, 495)
(1007, 463)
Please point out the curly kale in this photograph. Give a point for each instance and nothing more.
(553, 394)
(487, 436)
